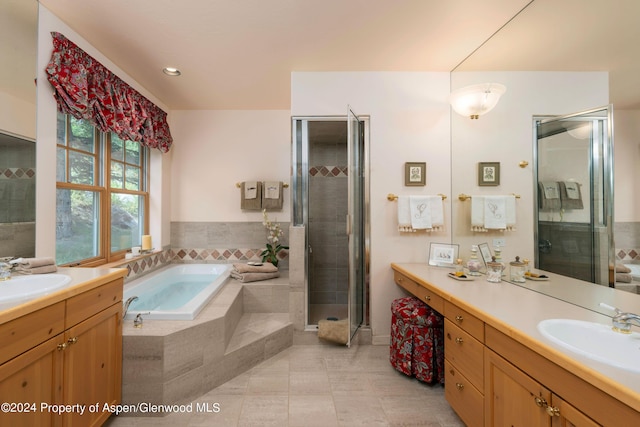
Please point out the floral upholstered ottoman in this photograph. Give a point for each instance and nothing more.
(417, 340)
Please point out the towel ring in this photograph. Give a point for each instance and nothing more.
(393, 197)
(464, 197)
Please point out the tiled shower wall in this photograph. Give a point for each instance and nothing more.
(17, 197)
(627, 240)
(328, 259)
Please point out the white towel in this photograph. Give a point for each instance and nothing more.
(477, 213)
(404, 216)
(420, 212)
(495, 212)
(272, 189)
(250, 189)
(573, 191)
(510, 206)
(437, 212)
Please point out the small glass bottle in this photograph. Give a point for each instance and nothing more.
(498, 258)
(517, 270)
(494, 271)
(459, 267)
(474, 264)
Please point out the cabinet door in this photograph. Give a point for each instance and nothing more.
(566, 415)
(93, 365)
(29, 380)
(512, 398)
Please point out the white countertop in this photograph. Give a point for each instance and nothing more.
(516, 312)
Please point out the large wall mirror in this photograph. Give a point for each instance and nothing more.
(18, 23)
(555, 58)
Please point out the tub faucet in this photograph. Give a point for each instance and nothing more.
(127, 304)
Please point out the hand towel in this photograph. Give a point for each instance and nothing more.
(272, 195)
(253, 277)
(404, 215)
(510, 206)
(570, 195)
(250, 190)
(255, 203)
(437, 212)
(548, 196)
(495, 212)
(477, 213)
(420, 212)
(267, 267)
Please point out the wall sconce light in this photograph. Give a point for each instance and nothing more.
(476, 100)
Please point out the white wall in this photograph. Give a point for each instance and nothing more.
(218, 149)
(409, 122)
(505, 135)
(627, 164)
(17, 117)
(46, 142)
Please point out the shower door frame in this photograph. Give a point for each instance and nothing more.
(300, 196)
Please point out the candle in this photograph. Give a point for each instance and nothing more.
(146, 242)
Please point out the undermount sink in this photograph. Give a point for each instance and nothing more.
(23, 288)
(596, 341)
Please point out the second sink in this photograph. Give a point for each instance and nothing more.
(595, 341)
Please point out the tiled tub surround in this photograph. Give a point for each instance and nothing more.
(174, 361)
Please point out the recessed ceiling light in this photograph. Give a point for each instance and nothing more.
(170, 71)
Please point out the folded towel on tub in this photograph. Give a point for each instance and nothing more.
(253, 277)
(267, 267)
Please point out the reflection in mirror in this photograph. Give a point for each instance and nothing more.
(17, 196)
(552, 73)
(18, 31)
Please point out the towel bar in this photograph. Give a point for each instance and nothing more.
(464, 197)
(284, 185)
(392, 197)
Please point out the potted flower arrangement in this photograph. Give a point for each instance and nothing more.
(270, 254)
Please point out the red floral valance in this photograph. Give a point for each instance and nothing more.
(86, 89)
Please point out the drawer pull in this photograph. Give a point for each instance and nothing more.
(399, 279)
(553, 411)
(458, 340)
(62, 346)
(459, 386)
(72, 340)
(428, 298)
(540, 402)
(459, 319)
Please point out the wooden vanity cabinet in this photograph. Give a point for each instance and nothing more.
(464, 361)
(426, 295)
(80, 364)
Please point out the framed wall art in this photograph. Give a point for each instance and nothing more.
(488, 173)
(415, 174)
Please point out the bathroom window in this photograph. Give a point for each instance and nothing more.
(102, 196)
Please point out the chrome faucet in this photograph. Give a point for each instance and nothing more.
(127, 304)
(622, 321)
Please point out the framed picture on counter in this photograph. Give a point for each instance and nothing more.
(485, 252)
(443, 254)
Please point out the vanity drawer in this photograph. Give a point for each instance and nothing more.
(430, 298)
(464, 320)
(28, 331)
(85, 305)
(465, 352)
(464, 398)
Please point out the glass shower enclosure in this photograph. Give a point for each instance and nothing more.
(330, 199)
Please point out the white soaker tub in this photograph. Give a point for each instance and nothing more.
(176, 292)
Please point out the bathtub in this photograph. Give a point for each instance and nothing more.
(176, 292)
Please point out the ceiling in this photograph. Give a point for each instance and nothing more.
(239, 54)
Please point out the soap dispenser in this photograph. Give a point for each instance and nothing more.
(474, 264)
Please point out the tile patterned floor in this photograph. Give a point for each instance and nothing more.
(315, 386)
